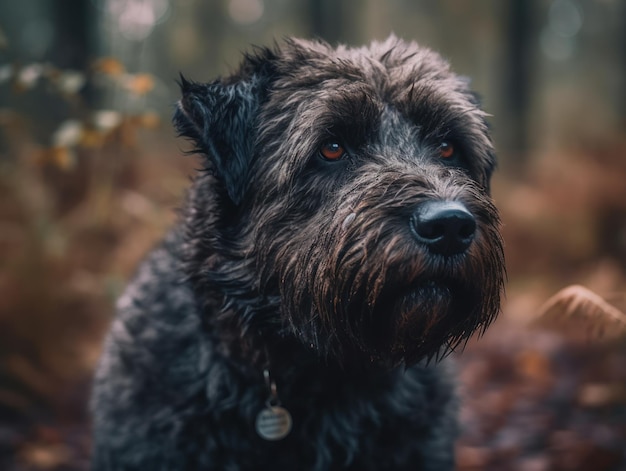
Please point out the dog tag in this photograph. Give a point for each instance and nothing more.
(273, 423)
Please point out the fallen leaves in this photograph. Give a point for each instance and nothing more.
(109, 66)
(536, 399)
(602, 394)
(140, 84)
(45, 456)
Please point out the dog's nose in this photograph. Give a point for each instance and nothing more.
(445, 227)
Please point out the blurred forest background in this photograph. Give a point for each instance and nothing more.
(91, 174)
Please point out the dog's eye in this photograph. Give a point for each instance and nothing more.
(332, 151)
(446, 150)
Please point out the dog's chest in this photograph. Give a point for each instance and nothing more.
(337, 423)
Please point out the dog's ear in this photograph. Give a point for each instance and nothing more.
(219, 118)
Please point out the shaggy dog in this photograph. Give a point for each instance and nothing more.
(339, 241)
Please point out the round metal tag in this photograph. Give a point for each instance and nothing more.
(273, 423)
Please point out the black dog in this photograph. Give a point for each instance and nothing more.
(340, 238)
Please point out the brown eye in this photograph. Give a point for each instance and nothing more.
(332, 151)
(446, 150)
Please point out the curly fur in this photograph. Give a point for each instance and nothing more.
(283, 260)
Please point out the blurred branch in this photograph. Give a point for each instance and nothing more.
(518, 79)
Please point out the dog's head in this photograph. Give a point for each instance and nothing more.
(346, 200)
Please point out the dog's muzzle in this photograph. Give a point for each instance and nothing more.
(445, 227)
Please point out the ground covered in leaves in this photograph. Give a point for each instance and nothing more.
(535, 400)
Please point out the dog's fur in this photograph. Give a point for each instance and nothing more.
(308, 268)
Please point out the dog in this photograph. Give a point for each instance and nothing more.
(339, 241)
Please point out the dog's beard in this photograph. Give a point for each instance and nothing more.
(428, 321)
(356, 286)
(386, 320)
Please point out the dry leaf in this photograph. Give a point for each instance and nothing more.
(140, 84)
(137, 205)
(472, 457)
(68, 134)
(71, 82)
(91, 138)
(534, 366)
(581, 312)
(106, 120)
(29, 76)
(109, 66)
(46, 456)
(63, 158)
(600, 394)
(149, 120)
